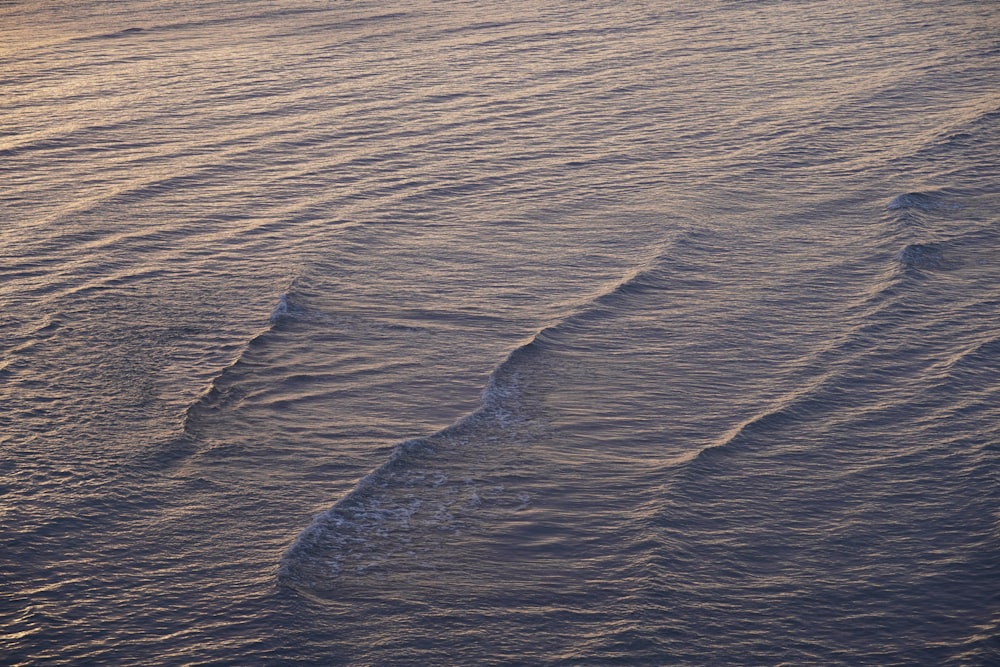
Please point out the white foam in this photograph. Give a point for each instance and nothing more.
(281, 310)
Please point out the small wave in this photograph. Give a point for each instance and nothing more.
(655, 275)
(222, 392)
(793, 406)
(976, 358)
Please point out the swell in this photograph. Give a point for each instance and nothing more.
(832, 368)
(317, 555)
(284, 12)
(825, 377)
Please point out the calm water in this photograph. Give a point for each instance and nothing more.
(522, 333)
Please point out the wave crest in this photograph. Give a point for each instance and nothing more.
(373, 523)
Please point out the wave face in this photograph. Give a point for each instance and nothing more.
(499, 333)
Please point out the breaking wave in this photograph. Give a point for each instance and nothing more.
(373, 523)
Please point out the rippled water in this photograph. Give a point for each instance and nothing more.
(499, 333)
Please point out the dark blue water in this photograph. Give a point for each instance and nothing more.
(457, 333)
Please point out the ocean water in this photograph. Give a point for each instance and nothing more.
(478, 333)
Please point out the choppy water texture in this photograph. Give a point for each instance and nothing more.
(462, 333)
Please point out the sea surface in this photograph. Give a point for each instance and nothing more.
(542, 332)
